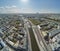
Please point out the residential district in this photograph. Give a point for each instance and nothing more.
(29, 32)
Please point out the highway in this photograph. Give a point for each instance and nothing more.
(26, 25)
(39, 38)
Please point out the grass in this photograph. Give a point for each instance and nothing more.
(35, 21)
(33, 41)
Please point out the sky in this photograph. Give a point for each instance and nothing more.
(29, 6)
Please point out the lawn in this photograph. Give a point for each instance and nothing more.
(35, 21)
(33, 41)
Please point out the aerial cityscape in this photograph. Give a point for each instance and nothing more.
(29, 25)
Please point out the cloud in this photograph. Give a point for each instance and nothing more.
(10, 6)
(9, 9)
(27, 10)
(48, 11)
(1, 7)
(15, 9)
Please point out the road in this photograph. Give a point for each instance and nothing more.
(26, 26)
(39, 38)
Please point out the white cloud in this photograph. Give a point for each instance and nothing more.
(13, 6)
(15, 9)
(9, 9)
(47, 11)
(1, 7)
(27, 10)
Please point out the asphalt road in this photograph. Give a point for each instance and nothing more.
(26, 25)
(39, 38)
